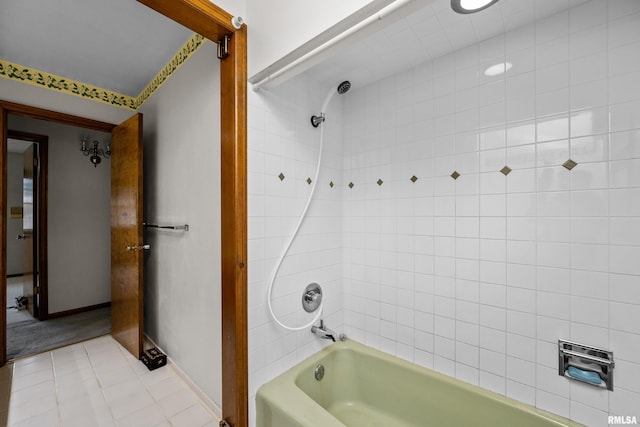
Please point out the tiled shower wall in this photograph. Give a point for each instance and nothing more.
(283, 150)
(479, 276)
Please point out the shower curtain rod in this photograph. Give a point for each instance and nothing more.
(350, 30)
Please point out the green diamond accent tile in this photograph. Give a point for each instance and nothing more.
(506, 170)
(379, 182)
(281, 176)
(331, 184)
(351, 185)
(455, 175)
(309, 181)
(569, 164)
(413, 178)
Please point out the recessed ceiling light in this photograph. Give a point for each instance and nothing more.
(497, 69)
(471, 6)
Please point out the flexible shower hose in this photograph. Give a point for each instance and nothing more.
(290, 242)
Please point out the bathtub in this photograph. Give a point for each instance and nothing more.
(363, 387)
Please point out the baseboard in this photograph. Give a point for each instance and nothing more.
(210, 404)
(78, 310)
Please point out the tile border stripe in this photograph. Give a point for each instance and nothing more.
(61, 84)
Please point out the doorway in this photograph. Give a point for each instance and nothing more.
(70, 284)
(214, 23)
(27, 223)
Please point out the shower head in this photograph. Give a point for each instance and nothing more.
(342, 88)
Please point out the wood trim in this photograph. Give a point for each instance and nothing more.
(79, 310)
(54, 116)
(233, 98)
(201, 16)
(3, 234)
(213, 23)
(43, 209)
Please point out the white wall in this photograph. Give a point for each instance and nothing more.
(182, 186)
(14, 225)
(282, 140)
(278, 27)
(234, 7)
(79, 217)
(14, 91)
(479, 277)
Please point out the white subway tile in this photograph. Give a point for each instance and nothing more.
(590, 257)
(624, 259)
(628, 375)
(623, 145)
(590, 396)
(588, 415)
(521, 204)
(520, 373)
(553, 305)
(587, 42)
(620, 8)
(521, 252)
(624, 288)
(554, 229)
(590, 230)
(521, 133)
(553, 403)
(521, 228)
(587, 15)
(521, 299)
(522, 276)
(624, 116)
(493, 339)
(625, 317)
(624, 403)
(551, 329)
(624, 30)
(590, 203)
(493, 362)
(588, 68)
(521, 323)
(493, 272)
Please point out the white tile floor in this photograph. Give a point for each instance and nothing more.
(96, 383)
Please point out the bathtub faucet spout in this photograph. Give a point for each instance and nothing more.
(323, 332)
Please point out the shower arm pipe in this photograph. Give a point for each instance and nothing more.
(318, 49)
(274, 274)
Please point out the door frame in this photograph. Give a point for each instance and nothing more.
(7, 108)
(41, 251)
(214, 23)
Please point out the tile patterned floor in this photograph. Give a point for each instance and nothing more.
(96, 383)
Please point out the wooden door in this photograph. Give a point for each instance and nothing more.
(29, 228)
(126, 235)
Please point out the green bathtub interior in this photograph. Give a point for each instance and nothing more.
(363, 387)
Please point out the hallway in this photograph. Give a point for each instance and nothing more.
(96, 383)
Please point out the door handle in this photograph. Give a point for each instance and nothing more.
(135, 248)
(21, 236)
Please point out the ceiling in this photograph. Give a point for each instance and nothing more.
(118, 45)
(17, 145)
(429, 33)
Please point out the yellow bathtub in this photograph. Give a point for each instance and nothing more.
(363, 387)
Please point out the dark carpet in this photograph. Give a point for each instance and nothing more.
(32, 336)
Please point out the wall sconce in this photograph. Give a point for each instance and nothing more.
(95, 151)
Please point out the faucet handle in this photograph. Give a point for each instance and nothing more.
(312, 297)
